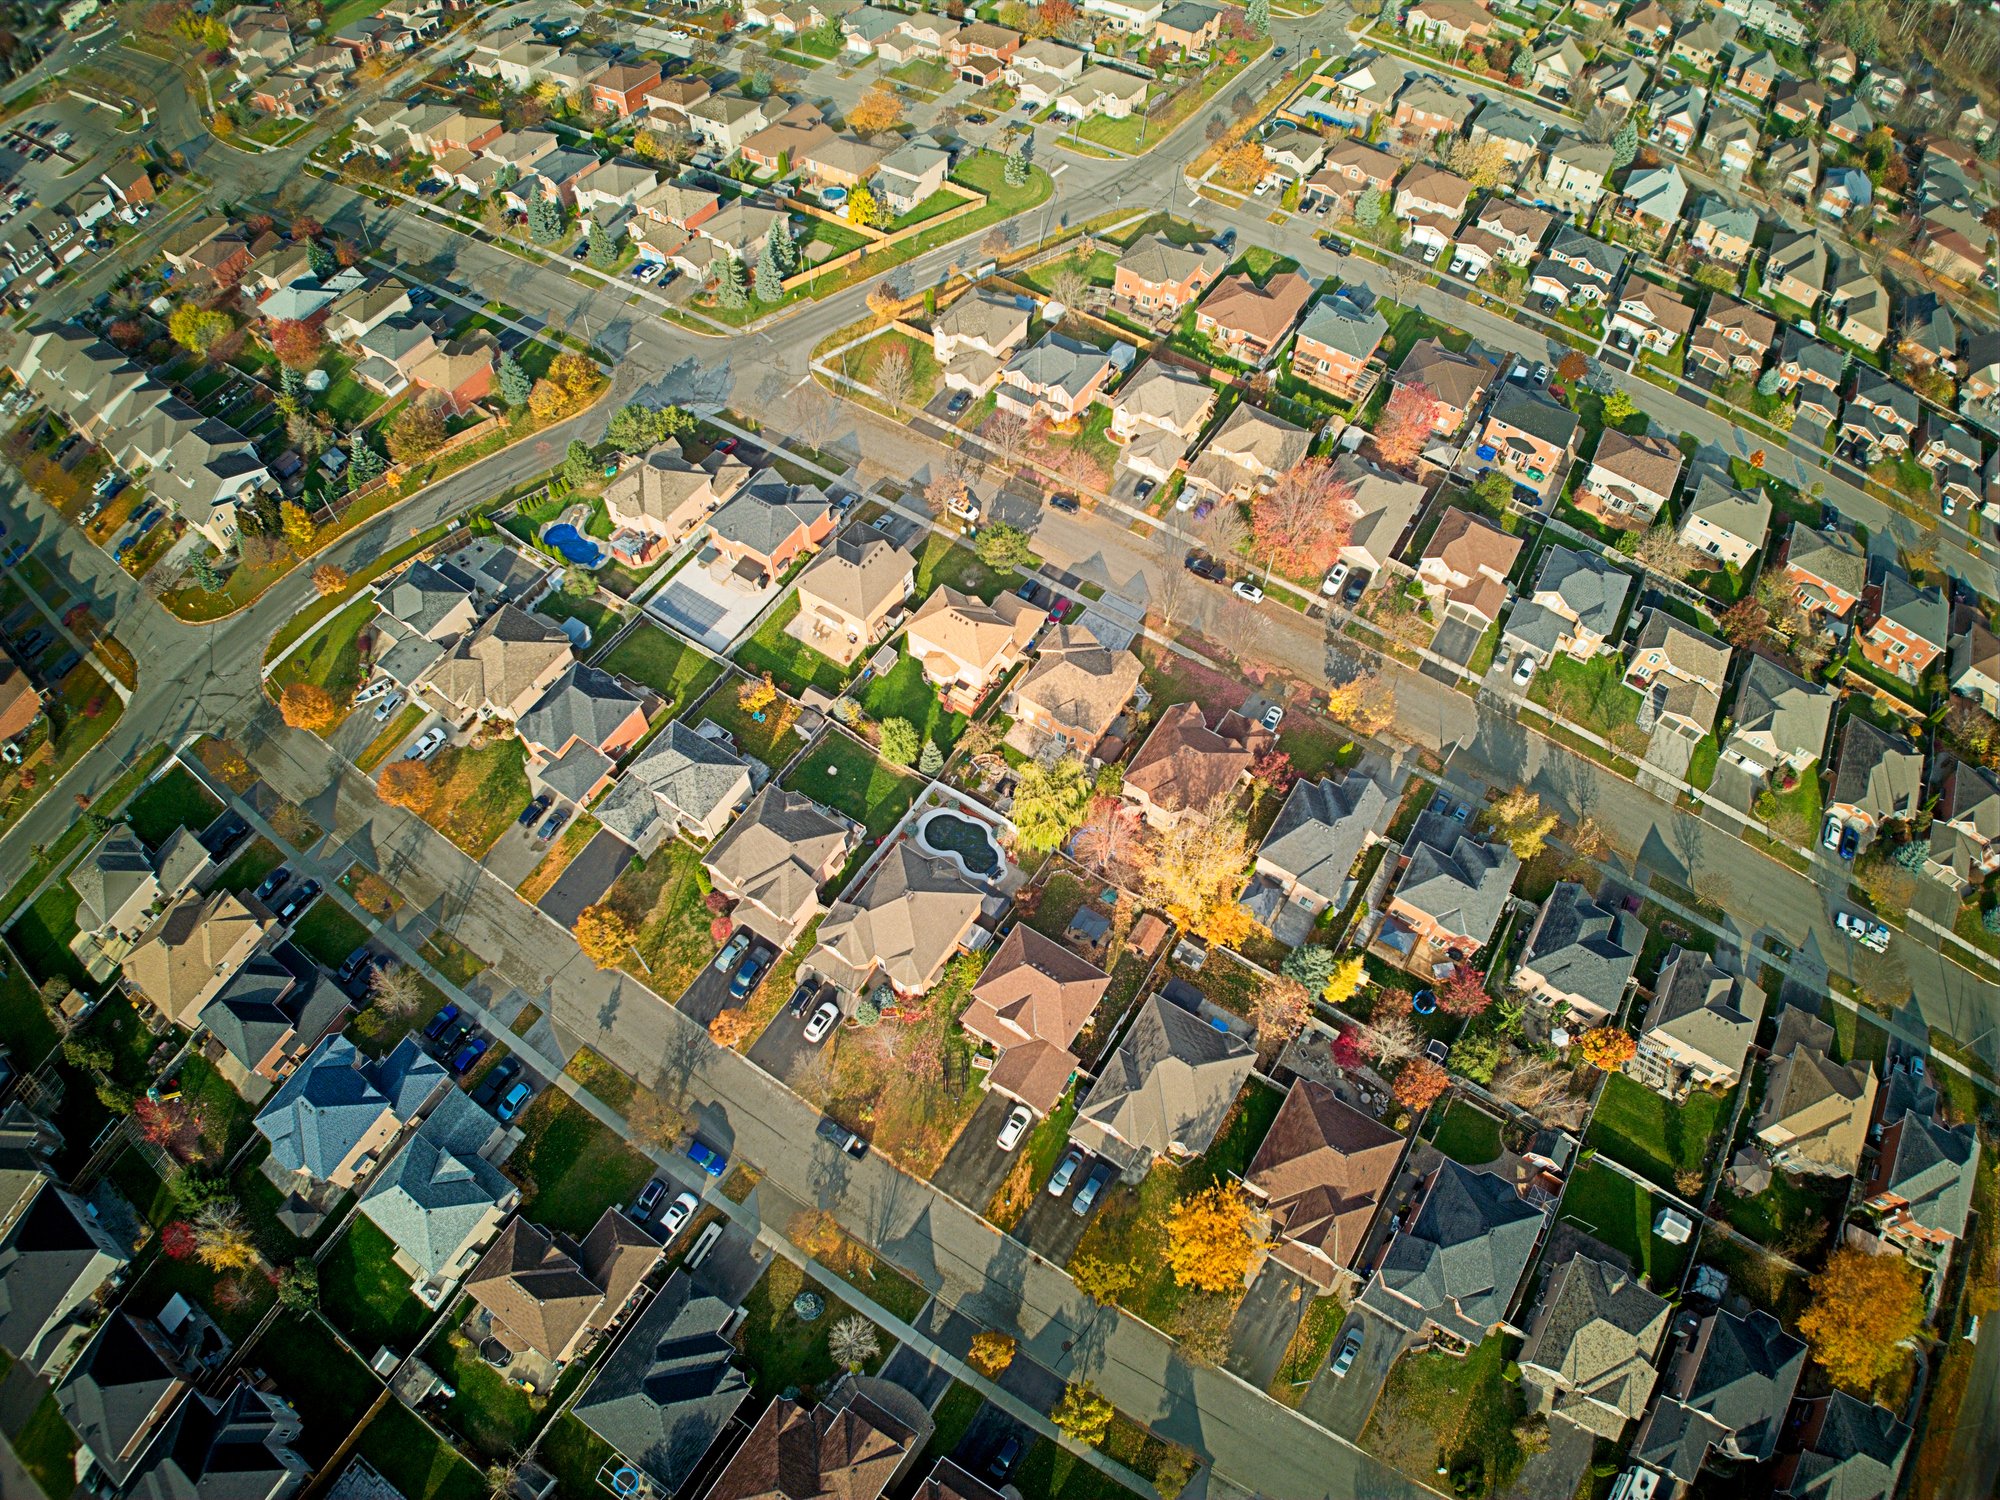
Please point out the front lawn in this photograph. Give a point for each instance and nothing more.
(1611, 1207)
(1439, 1414)
(1311, 1343)
(478, 793)
(850, 778)
(1467, 1134)
(1591, 694)
(367, 1294)
(669, 666)
(904, 692)
(941, 560)
(46, 1447)
(660, 897)
(1640, 1129)
(332, 657)
(328, 933)
(781, 1351)
(794, 666)
(571, 1167)
(175, 800)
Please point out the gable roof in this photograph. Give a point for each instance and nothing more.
(1520, 407)
(1344, 323)
(432, 1194)
(228, 1449)
(1033, 988)
(967, 628)
(115, 871)
(1730, 510)
(1814, 1109)
(681, 774)
(1704, 1009)
(773, 853)
(1459, 1261)
(1463, 890)
(115, 1393)
(1586, 586)
(1773, 704)
(500, 660)
(537, 1291)
(274, 996)
(842, 1449)
(1457, 380)
(1857, 1454)
(1595, 1340)
(421, 597)
(1171, 1082)
(187, 945)
(906, 920)
(1321, 830)
(1831, 556)
(1931, 1167)
(1158, 260)
(583, 704)
(53, 1260)
(1322, 1169)
(1184, 765)
(1877, 772)
(1734, 1386)
(1262, 313)
(861, 573)
(1582, 948)
(334, 1098)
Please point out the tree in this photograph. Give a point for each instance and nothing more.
(1014, 170)
(1050, 803)
(1365, 704)
(300, 532)
(328, 579)
(600, 248)
(320, 260)
(1258, 14)
(1392, 1036)
(1196, 868)
(297, 343)
(603, 935)
(1310, 964)
(654, 1120)
(308, 706)
(991, 1352)
(579, 464)
(1369, 208)
(1607, 1047)
(1572, 367)
(1281, 1010)
(1244, 165)
(196, 328)
(1625, 142)
(1303, 520)
(545, 219)
(364, 464)
(899, 741)
(1083, 1413)
(1109, 834)
(732, 1026)
(1211, 1239)
(408, 784)
(395, 990)
(784, 250)
(1004, 548)
(1419, 1083)
(1618, 407)
(1484, 164)
(1658, 550)
(417, 432)
(1463, 992)
(1519, 820)
(221, 1242)
(298, 1287)
(883, 300)
(875, 111)
(513, 381)
(633, 427)
(770, 281)
(893, 379)
(1864, 1306)
(1408, 419)
(757, 695)
(1476, 1055)
(1346, 980)
(930, 759)
(1102, 1280)
(853, 1342)
(729, 288)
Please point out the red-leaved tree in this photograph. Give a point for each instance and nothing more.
(1464, 993)
(1301, 523)
(296, 343)
(1406, 424)
(177, 1240)
(1348, 1049)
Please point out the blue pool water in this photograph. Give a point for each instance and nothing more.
(573, 545)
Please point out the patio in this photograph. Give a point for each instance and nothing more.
(710, 601)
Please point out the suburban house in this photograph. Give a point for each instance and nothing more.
(1155, 275)
(1651, 315)
(863, 1436)
(664, 497)
(1527, 437)
(579, 728)
(61, 1264)
(1630, 479)
(851, 593)
(1826, 570)
(1726, 1391)
(1589, 1359)
(1032, 999)
(1465, 564)
(1431, 202)
(439, 1199)
(1426, 107)
(1246, 454)
(1189, 26)
(1815, 371)
(1458, 1261)
(1698, 1029)
(910, 175)
(1074, 691)
(1058, 378)
(1320, 1176)
(775, 858)
(1349, 168)
(1795, 267)
(1858, 307)
(1878, 778)
(1574, 608)
(1965, 825)
(1578, 270)
(1781, 720)
(1309, 855)
(621, 88)
(1185, 766)
(550, 1298)
(1881, 416)
(910, 916)
(975, 337)
(1165, 1091)
(1975, 663)
(683, 783)
(769, 525)
(1518, 136)
(1680, 671)
(1571, 179)
(1248, 322)
(269, 1015)
(334, 1118)
(1733, 337)
(1653, 199)
(500, 670)
(1677, 116)
(1448, 23)
(1815, 1113)
(1838, 1445)
(1723, 230)
(1042, 68)
(191, 950)
(1165, 399)
(1335, 348)
(1110, 92)
(1580, 955)
(1920, 1190)
(1516, 230)
(1906, 628)
(967, 645)
(1293, 153)
(1448, 897)
(1456, 383)
(119, 886)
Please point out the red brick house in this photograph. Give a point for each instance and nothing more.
(769, 525)
(1156, 275)
(622, 87)
(462, 371)
(1826, 570)
(1907, 627)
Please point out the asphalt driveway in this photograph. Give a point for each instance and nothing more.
(974, 1168)
(781, 1047)
(1052, 1227)
(1456, 640)
(586, 878)
(708, 995)
(1265, 1321)
(517, 851)
(1341, 1404)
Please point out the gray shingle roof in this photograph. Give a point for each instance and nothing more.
(53, 1260)
(1741, 1384)
(1457, 1264)
(1857, 1454)
(232, 1449)
(1729, 509)
(1932, 1167)
(767, 511)
(1520, 407)
(1772, 702)
(1589, 587)
(1702, 1007)
(112, 1394)
(1594, 1345)
(1171, 1082)
(1581, 948)
(584, 703)
(1463, 890)
(1340, 322)
(332, 1100)
(772, 854)
(271, 997)
(1833, 556)
(109, 876)
(1321, 831)
(429, 1197)
(1878, 772)
(680, 774)
(420, 597)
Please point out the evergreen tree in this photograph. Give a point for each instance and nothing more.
(291, 384)
(513, 381)
(545, 220)
(1523, 66)
(579, 468)
(1258, 14)
(784, 249)
(1368, 208)
(321, 260)
(1769, 382)
(363, 464)
(1625, 144)
(1014, 172)
(930, 759)
(205, 577)
(729, 283)
(770, 284)
(603, 249)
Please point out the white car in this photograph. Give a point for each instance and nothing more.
(431, 742)
(388, 706)
(373, 691)
(674, 1220)
(821, 1024)
(1273, 717)
(1018, 1121)
(1247, 591)
(1331, 588)
(1524, 669)
(1831, 838)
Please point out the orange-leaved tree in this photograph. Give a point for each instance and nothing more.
(1211, 1238)
(1420, 1082)
(1607, 1047)
(1863, 1307)
(409, 784)
(1406, 424)
(307, 705)
(603, 934)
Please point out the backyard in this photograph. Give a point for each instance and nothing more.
(175, 800)
(794, 666)
(770, 739)
(1611, 1207)
(668, 665)
(904, 692)
(1467, 1134)
(1641, 1129)
(849, 777)
(368, 1294)
(329, 1386)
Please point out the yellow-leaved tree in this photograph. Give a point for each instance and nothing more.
(307, 705)
(1195, 870)
(1211, 1239)
(1346, 980)
(1607, 1047)
(1083, 1413)
(1863, 1307)
(992, 1351)
(603, 935)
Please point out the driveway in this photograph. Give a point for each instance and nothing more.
(708, 995)
(1341, 1404)
(1052, 1227)
(1265, 1321)
(782, 1046)
(974, 1168)
(586, 878)
(1456, 640)
(1734, 786)
(517, 851)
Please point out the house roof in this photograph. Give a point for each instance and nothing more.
(1585, 586)
(906, 920)
(1261, 313)
(1645, 462)
(1184, 765)
(421, 598)
(231, 1449)
(333, 1099)
(1322, 1169)
(773, 853)
(1778, 710)
(187, 945)
(950, 627)
(115, 1393)
(992, 320)
(1814, 1109)
(536, 1289)
(1457, 380)
(767, 512)
(273, 997)
(1269, 443)
(1172, 1081)
(1458, 1262)
(1321, 830)
(1057, 362)
(1856, 1455)
(1922, 612)
(1520, 407)
(1033, 988)
(681, 774)
(115, 871)
(500, 660)
(1931, 1167)
(1582, 948)
(659, 484)
(1735, 1383)
(1831, 556)
(841, 1449)
(1699, 664)
(1166, 393)
(1880, 773)
(1464, 890)
(1158, 260)
(1348, 324)
(584, 704)
(1594, 1343)
(1703, 1009)
(430, 1196)
(1078, 682)
(667, 1390)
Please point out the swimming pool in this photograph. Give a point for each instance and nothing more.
(573, 544)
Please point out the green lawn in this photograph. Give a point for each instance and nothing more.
(331, 658)
(1241, 1134)
(175, 800)
(1613, 1208)
(575, 1455)
(250, 867)
(25, 1028)
(852, 779)
(479, 792)
(571, 1168)
(1311, 1343)
(780, 1351)
(1441, 1413)
(328, 933)
(662, 898)
(42, 937)
(666, 664)
(46, 1447)
(1657, 1139)
(413, 1458)
(367, 1294)
(1467, 1134)
(904, 692)
(1793, 1215)
(941, 560)
(489, 1411)
(599, 618)
(1592, 694)
(328, 1385)
(793, 665)
(774, 741)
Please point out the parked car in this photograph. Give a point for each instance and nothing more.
(1830, 839)
(1344, 1360)
(1142, 489)
(802, 994)
(732, 951)
(1019, 1118)
(388, 706)
(374, 690)
(1850, 841)
(553, 822)
(707, 1158)
(822, 1023)
(271, 884)
(428, 744)
(958, 403)
(502, 1073)
(1064, 501)
(302, 896)
(355, 966)
(1065, 1172)
(469, 1052)
(1005, 1456)
(1273, 717)
(1334, 579)
(750, 973)
(533, 811)
(1524, 669)
(1092, 1186)
(1203, 566)
(675, 1219)
(1247, 591)
(441, 1023)
(648, 1200)
(223, 835)
(513, 1101)
(1357, 585)
(830, 1129)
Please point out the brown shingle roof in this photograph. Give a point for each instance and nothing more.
(1033, 988)
(1322, 1169)
(1261, 313)
(533, 1289)
(1185, 765)
(822, 1454)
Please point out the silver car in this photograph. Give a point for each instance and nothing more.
(1344, 1360)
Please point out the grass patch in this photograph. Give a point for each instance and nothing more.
(661, 897)
(43, 934)
(773, 741)
(794, 666)
(412, 1457)
(1592, 694)
(850, 778)
(571, 1167)
(942, 561)
(328, 933)
(575, 1455)
(1613, 1208)
(479, 792)
(601, 1079)
(46, 1447)
(1311, 1343)
(904, 692)
(1793, 1216)
(332, 658)
(1640, 1129)
(367, 1294)
(489, 1411)
(1467, 1134)
(1440, 1412)
(400, 726)
(1766, 1280)
(781, 1351)
(669, 666)
(541, 880)
(176, 800)
(329, 1386)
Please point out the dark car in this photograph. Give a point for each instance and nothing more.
(830, 1129)
(1850, 841)
(648, 1201)
(441, 1022)
(224, 835)
(750, 973)
(1356, 587)
(533, 811)
(513, 1102)
(1142, 489)
(958, 402)
(1064, 502)
(355, 966)
(1204, 566)
(499, 1076)
(551, 823)
(272, 883)
(1004, 1459)
(301, 897)
(802, 995)
(469, 1052)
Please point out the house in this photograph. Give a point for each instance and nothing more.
(1800, 101)
(1920, 1190)
(1580, 955)
(1703, 44)
(1294, 153)
(1725, 1393)
(1841, 1446)
(1858, 307)
(1724, 230)
(1450, 24)
(909, 175)
(439, 1199)
(1426, 107)
(1845, 191)
(1975, 664)
(1965, 825)
(723, 122)
(1630, 479)
(1905, 629)
(1815, 1113)
(1132, 17)
(1754, 74)
(910, 916)
(1733, 339)
(1110, 92)
(1458, 1261)
(865, 1435)
(1572, 175)
(270, 1014)
(1680, 671)
(117, 1395)
(1185, 766)
(544, 1295)
(683, 783)
(1383, 509)
(238, 1444)
(1337, 342)
(967, 646)
(1248, 322)
(1165, 1091)
(769, 525)
(1352, 98)
(1780, 720)
(1698, 1029)
(975, 337)
(586, 721)
(1456, 383)
(1590, 1350)
(1795, 267)
(840, 160)
(1815, 371)
(1431, 202)
(1190, 27)
(1506, 229)
(1725, 523)
(1465, 565)
(190, 951)
(60, 1264)
(1518, 136)
(1878, 778)
(1579, 270)
(1075, 689)
(1648, 26)
(1320, 1175)
(1613, 80)
(787, 142)
(1309, 855)
(1848, 119)
(777, 856)
(1246, 454)
(1651, 315)
(1527, 437)
(1927, 334)
(335, 1116)
(1448, 897)
(1162, 398)
(1654, 197)
(1574, 608)
(500, 670)
(1058, 378)
(1558, 62)
(20, 700)
(849, 594)
(1155, 275)
(667, 1390)
(1949, 448)
(1042, 68)
(119, 885)
(1677, 116)
(663, 496)
(621, 88)
(1980, 378)
(1880, 416)
(1349, 168)
(1032, 999)
(1827, 570)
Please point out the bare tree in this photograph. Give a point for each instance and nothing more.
(1007, 434)
(396, 990)
(893, 379)
(1393, 1037)
(812, 414)
(853, 1342)
(1170, 581)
